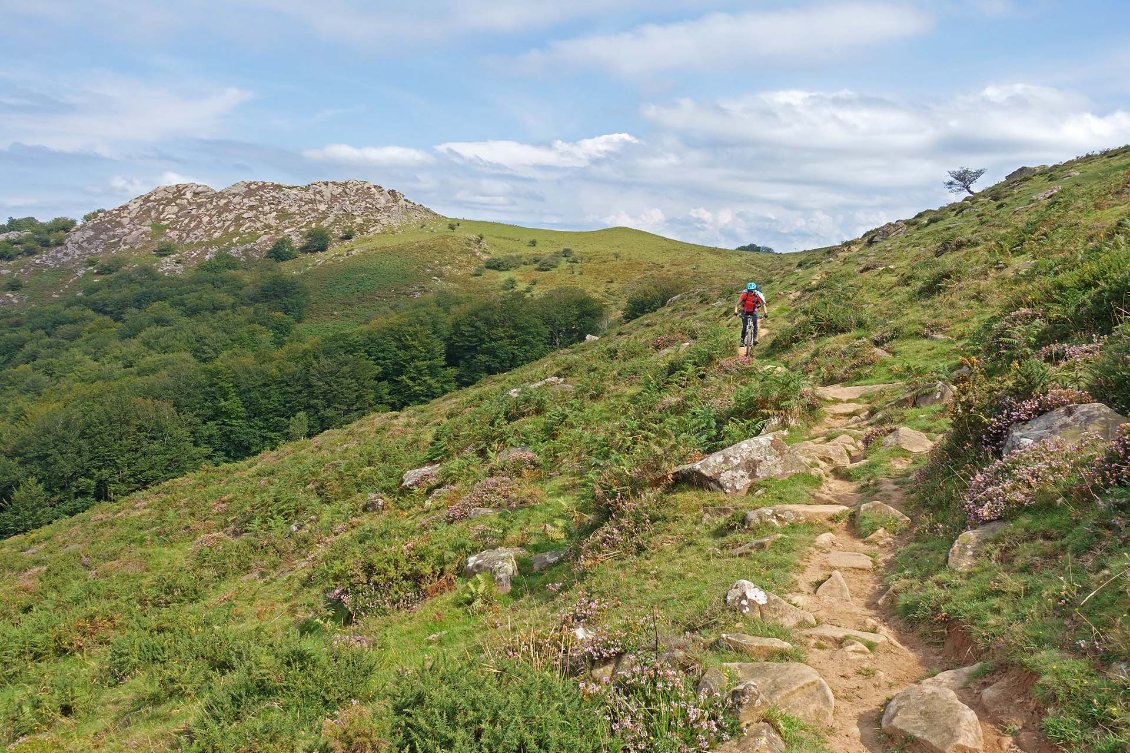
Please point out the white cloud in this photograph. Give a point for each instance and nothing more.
(517, 156)
(651, 219)
(99, 113)
(129, 187)
(369, 156)
(725, 41)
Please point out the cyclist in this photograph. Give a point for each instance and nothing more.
(751, 300)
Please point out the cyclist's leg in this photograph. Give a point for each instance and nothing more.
(745, 325)
(753, 316)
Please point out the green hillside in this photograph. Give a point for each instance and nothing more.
(303, 600)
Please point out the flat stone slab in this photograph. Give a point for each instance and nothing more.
(845, 409)
(849, 560)
(753, 646)
(781, 515)
(844, 392)
(834, 588)
(837, 633)
(882, 508)
(908, 439)
(734, 469)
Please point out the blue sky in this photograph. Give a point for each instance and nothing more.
(789, 124)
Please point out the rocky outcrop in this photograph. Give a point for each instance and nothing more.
(734, 469)
(498, 563)
(970, 546)
(934, 718)
(753, 601)
(1071, 423)
(245, 218)
(939, 394)
(880, 234)
(420, 478)
(792, 687)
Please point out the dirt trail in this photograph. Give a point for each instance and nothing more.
(863, 681)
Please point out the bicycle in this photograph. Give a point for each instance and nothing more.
(750, 338)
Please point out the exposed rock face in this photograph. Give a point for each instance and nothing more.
(546, 560)
(735, 468)
(1024, 172)
(751, 600)
(1070, 423)
(420, 478)
(969, 547)
(934, 718)
(909, 440)
(500, 563)
(795, 688)
(246, 218)
(879, 234)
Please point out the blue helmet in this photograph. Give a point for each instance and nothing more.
(751, 286)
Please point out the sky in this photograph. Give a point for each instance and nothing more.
(787, 124)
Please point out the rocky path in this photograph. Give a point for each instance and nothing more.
(868, 682)
(859, 647)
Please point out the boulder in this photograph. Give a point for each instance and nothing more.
(969, 547)
(712, 682)
(999, 701)
(546, 560)
(734, 469)
(831, 454)
(374, 503)
(837, 634)
(880, 537)
(834, 588)
(753, 646)
(934, 718)
(1047, 193)
(755, 602)
(760, 738)
(782, 515)
(879, 234)
(551, 381)
(909, 440)
(849, 560)
(1070, 423)
(792, 687)
(420, 478)
(827, 540)
(591, 338)
(855, 648)
(940, 394)
(956, 678)
(884, 510)
(499, 563)
(716, 513)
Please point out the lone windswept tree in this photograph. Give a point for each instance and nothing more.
(962, 179)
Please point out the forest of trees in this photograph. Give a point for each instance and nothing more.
(143, 377)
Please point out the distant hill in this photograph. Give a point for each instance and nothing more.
(244, 218)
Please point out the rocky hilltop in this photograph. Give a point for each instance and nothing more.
(244, 218)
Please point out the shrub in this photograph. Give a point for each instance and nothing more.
(653, 708)
(458, 707)
(1109, 375)
(380, 579)
(346, 234)
(651, 295)
(774, 394)
(548, 263)
(1012, 411)
(1022, 478)
(12, 284)
(315, 240)
(1112, 468)
(282, 250)
(503, 263)
(492, 493)
(165, 248)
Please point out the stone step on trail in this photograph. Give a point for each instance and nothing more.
(837, 634)
(781, 515)
(792, 687)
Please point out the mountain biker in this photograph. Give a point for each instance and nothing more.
(749, 302)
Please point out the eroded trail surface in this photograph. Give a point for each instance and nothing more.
(859, 647)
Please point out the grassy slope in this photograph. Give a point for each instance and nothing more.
(196, 609)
